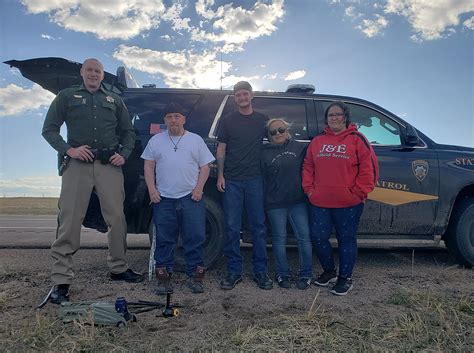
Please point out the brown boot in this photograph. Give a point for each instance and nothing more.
(163, 286)
(195, 283)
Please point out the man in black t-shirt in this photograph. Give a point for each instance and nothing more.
(239, 178)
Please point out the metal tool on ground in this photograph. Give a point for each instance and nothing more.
(102, 313)
(170, 310)
(45, 299)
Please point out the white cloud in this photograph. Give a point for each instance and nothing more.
(431, 19)
(270, 76)
(469, 23)
(294, 75)
(16, 100)
(106, 19)
(234, 26)
(372, 28)
(180, 69)
(351, 12)
(47, 36)
(166, 37)
(47, 186)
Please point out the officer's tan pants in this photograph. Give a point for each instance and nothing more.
(78, 181)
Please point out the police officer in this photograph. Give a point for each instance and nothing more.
(100, 137)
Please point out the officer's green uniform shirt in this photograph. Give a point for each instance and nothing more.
(99, 120)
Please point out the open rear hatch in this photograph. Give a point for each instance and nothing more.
(56, 74)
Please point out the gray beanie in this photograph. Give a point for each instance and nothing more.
(173, 107)
(242, 85)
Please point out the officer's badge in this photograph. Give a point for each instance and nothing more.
(77, 96)
(420, 169)
(109, 99)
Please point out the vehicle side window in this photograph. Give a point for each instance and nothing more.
(376, 127)
(149, 108)
(289, 109)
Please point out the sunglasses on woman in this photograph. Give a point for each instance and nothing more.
(280, 130)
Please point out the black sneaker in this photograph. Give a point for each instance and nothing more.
(303, 283)
(230, 281)
(127, 276)
(263, 281)
(60, 294)
(342, 286)
(283, 281)
(325, 278)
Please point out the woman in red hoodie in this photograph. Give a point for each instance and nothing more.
(339, 170)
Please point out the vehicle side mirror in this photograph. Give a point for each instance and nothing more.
(411, 136)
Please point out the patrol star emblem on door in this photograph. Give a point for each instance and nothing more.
(420, 169)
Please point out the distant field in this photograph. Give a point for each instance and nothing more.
(29, 205)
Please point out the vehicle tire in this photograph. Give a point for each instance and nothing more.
(213, 246)
(460, 234)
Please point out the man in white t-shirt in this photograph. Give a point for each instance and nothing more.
(176, 169)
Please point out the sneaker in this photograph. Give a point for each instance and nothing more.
(129, 276)
(60, 294)
(283, 281)
(325, 278)
(163, 285)
(230, 281)
(263, 281)
(303, 283)
(342, 286)
(195, 283)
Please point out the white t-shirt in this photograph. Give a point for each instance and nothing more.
(177, 170)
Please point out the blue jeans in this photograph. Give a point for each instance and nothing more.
(346, 221)
(179, 216)
(237, 194)
(298, 217)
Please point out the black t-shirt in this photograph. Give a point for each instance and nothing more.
(243, 135)
(281, 169)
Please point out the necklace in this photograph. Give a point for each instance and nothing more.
(175, 144)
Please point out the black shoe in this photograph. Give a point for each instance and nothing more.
(263, 281)
(60, 294)
(283, 281)
(230, 281)
(342, 286)
(127, 276)
(325, 278)
(303, 283)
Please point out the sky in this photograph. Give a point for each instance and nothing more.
(412, 57)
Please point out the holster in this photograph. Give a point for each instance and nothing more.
(63, 161)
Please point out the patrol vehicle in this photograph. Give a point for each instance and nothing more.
(425, 189)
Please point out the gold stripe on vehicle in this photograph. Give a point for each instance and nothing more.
(398, 197)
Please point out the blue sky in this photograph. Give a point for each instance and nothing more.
(413, 57)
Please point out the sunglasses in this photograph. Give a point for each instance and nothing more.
(280, 130)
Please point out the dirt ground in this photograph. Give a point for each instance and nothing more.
(391, 307)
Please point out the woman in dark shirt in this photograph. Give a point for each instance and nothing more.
(282, 160)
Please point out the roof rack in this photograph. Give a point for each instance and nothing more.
(301, 88)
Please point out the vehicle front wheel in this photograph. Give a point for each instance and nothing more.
(460, 235)
(214, 243)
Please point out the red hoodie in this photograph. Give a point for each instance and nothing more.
(339, 170)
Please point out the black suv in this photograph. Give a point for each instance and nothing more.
(425, 190)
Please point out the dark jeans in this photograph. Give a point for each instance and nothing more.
(297, 215)
(345, 221)
(248, 193)
(179, 216)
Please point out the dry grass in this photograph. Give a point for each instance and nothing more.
(29, 205)
(424, 323)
